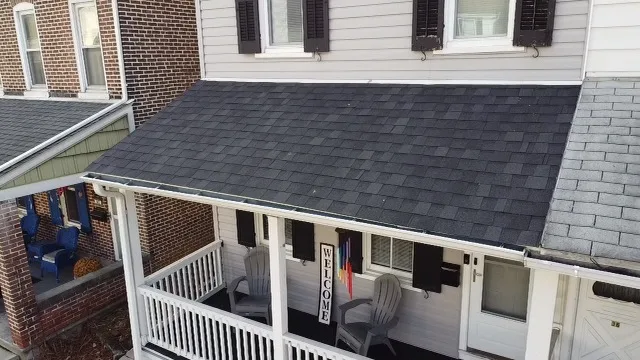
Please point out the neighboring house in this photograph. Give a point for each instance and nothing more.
(428, 135)
(76, 77)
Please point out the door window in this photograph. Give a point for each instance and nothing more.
(505, 288)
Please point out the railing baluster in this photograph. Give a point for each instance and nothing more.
(228, 336)
(196, 333)
(190, 277)
(210, 265)
(147, 314)
(210, 338)
(223, 336)
(238, 348)
(261, 346)
(158, 307)
(218, 268)
(245, 339)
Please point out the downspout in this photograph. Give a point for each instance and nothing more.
(133, 300)
(83, 123)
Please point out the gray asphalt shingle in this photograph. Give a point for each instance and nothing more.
(26, 123)
(474, 162)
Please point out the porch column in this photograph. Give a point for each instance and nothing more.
(541, 309)
(15, 277)
(278, 268)
(133, 268)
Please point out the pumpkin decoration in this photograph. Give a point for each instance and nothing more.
(85, 266)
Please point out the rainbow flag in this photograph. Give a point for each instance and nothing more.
(345, 272)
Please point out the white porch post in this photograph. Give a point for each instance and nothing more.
(541, 309)
(133, 268)
(278, 268)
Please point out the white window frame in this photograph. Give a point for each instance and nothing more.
(93, 92)
(451, 45)
(32, 90)
(22, 210)
(380, 269)
(63, 207)
(261, 238)
(276, 51)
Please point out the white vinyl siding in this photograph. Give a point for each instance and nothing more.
(432, 323)
(613, 46)
(371, 39)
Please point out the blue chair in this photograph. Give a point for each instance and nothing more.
(63, 254)
(29, 225)
(36, 250)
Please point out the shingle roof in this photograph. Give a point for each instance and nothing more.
(26, 123)
(474, 162)
(596, 206)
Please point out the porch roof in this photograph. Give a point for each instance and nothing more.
(469, 162)
(25, 124)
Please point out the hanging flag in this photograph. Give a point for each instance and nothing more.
(345, 268)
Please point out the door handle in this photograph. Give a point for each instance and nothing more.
(476, 274)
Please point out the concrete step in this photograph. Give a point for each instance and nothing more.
(7, 355)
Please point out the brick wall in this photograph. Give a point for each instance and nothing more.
(171, 229)
(15, 277)
(78, 306)
(58, 52)
(99, 243)
(160, 46)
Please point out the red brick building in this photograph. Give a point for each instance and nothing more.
(76, 77)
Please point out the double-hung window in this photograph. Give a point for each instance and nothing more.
(29, 44)
(88, 48)
(479, 24)
(288, 232)
(392, 255)
(69, 205)
(283, 27)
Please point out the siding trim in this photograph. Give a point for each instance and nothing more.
(412, 82)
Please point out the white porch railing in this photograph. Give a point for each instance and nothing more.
(201, 332)
(194, 277)
(300, 348)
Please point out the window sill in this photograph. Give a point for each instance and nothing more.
(371, 275)
(36, 93)
(94, 95)
(284, 55)
(480, 50)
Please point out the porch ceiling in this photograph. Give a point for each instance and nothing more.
(469, 162)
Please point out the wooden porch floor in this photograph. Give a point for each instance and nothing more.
(306, 325)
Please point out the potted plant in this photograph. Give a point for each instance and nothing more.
(85, 266)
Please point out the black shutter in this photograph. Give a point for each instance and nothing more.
(355, 238)
(428, 25)
(303, 240)
(534, 22)
(246, 226)
(248, 23)
(427, 267)
(315, 14)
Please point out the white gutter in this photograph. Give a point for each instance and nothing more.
(128, 265)
(83, 123)
(587, 40)
(442, 241)
(582, 272)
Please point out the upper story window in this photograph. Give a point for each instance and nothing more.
(285, 22)
(29, 44)
(479, 24)
(88, 48)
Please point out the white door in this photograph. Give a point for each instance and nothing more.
(498, 306)
(606, 329)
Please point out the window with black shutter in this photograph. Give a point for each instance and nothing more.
(248, 25)
(316, 25)
(246, 227)
(428, 25)
(534, 22)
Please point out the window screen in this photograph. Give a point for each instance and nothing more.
(285, 21)
(393, 253)
(481, 18)
(288, 226)
(505, 288)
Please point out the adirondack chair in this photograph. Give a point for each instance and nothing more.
(258, 301)
(359, 336)
(29, 225)
(62, 253)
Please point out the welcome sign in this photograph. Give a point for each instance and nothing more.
(326, 283)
